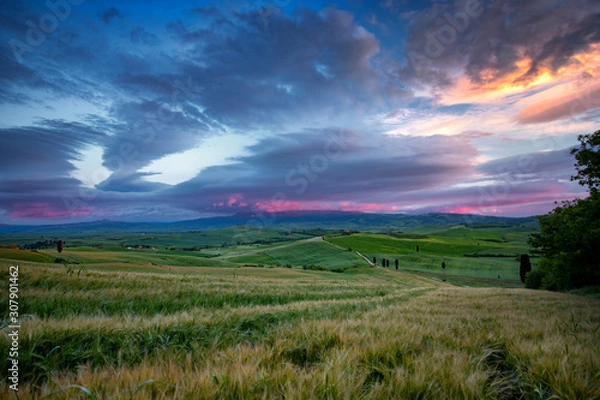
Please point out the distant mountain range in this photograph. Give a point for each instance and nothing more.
(280, 220)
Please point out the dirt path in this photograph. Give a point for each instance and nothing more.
(366, 258)
(283, 246)
(357, 252)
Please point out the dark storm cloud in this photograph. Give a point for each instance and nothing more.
(133, 182)
(163, 88)
(249, 70)
(336, 167)
(516, 198)
(569, 40)
(255, 70)
(556, 164)
(489, 41)
(333, 165)
(21, 76)
(147, 84)
(263, 67)
(252, 70)
(519, 185)
(151, 130)
(76, 57)
(33, 187)
(14, 77)
(36, 163)
(17, 75)
(45, 150)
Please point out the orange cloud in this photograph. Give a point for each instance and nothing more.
(582, 68)
(556, 107)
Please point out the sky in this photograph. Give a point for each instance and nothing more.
(162, 111)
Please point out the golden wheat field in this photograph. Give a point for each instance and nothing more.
(277, 333)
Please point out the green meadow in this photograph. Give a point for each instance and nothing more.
(486, 253)
(303, 318)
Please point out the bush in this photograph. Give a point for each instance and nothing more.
(534, 279)
(313, 267)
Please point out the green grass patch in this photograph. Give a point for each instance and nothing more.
(317, 253)
(256, 259)
(26, 255)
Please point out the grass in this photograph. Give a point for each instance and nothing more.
(489, 254)
(287, 253)
(245, 333)
(486, 253)
(453, 242)
(316, 253)
(104, 238)
(25, 255)
(170, 324)
(87, 255)
(306, 252)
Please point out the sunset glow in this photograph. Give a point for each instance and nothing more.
(180, 111)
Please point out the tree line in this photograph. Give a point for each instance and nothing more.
(569, 236)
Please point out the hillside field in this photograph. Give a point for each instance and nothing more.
(290, 333)
(304, 317)
(483, 253)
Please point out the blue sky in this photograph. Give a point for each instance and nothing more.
(160, 111)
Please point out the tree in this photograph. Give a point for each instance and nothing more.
(588, 161)
(59, 246)
(569, 234)
(524, 267)
(567, 242)
(443, 265)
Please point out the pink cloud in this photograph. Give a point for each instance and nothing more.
(461, 209)
(556, 107)
(283, 205)
(45, 211)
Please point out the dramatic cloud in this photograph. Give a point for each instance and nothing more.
(567, 102)
(500, 44)
(328, 169)
(264, 67)
(173, 111)
(36, 164)
(545, 164)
